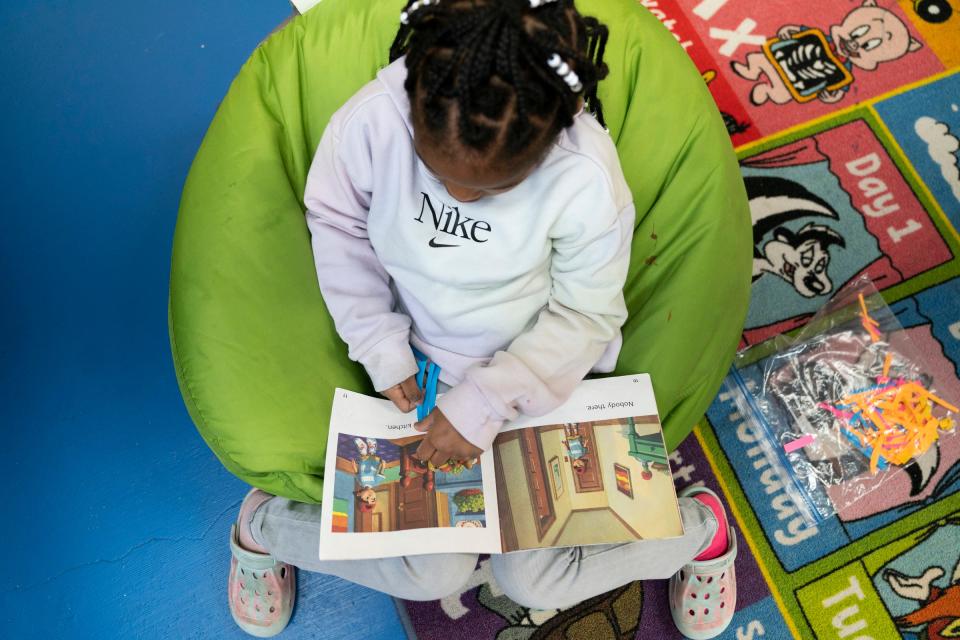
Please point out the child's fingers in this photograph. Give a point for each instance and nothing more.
(397, 396)
(425, 424)
(425, 450)
(470, 451)
(411, 391)
(439, 458)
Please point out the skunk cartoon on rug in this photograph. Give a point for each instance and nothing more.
(802, 257)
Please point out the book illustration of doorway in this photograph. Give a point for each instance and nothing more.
(579, 439)
(535, 510)
(536, 472)
(416, 508)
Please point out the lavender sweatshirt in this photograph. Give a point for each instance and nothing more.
(516, 296)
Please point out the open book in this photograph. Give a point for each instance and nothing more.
(594, 471)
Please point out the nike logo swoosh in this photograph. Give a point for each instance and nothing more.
(434, 243)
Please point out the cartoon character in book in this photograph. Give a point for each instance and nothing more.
(805, 63)
(576, 445)
(368, 468)
(801, 257)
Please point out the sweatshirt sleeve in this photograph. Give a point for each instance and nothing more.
(586, 308)
(355, 286)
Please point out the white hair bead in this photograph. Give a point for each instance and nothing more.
(405, 15)
(568, 75)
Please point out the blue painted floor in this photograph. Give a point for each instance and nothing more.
(116, 514)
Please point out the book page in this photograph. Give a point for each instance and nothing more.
(305, 5)
(594, 471)
(379, 500)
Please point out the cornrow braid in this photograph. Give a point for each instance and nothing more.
(489, 58)
(597, 35)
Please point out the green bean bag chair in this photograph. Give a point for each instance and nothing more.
(256, 353)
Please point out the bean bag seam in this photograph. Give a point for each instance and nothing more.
(180, 370)
(184, 380)
(273, 105)
(678, 159)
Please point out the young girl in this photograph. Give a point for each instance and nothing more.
(467, 213)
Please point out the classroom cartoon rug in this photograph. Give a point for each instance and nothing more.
(852, 110)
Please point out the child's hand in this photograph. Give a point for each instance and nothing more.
(443, 441)
(405, 395)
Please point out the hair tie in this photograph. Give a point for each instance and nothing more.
(405, 15)
(539, 3)
(563, 70)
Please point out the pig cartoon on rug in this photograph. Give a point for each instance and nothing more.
(804, 63)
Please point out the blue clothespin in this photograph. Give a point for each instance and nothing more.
(428, 375)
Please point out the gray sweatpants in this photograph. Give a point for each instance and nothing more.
(540, 579)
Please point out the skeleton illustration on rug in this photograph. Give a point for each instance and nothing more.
(805, 63)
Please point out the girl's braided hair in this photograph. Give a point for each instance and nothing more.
(489, 59)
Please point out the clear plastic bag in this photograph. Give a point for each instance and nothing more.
(844, 405)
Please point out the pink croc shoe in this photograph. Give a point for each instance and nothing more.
(260, 589)
(703, 594)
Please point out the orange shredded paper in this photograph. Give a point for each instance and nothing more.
(869, 324)
(896, 422)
